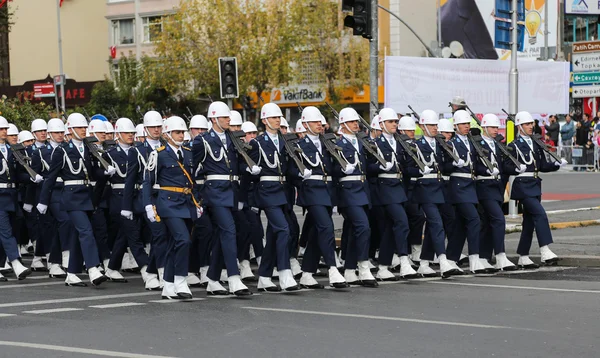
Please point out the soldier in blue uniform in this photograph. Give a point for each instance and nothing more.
(389, 188)
(137, 159)
(353, 200)
(170, 167)
(317, 195)
(218, 157)
(490, 192)
(527, 189)
(269, 154)
(74, 163)
(463, 195)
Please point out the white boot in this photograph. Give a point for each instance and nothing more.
(454, 265)
(424, 269)
(462, 259)
(416, 252)
(96, 277)
(265, 284)
(203, 275)
(20, 271)
(144, 273)
(65, 259)
(275, 273)
(246, 271)
(364, 274)
(487, 266)
(350, 277)
(383, 274)
(132, 263)
(308, 281)
(214, 288)
(147, 249)
(6, 269)
(126, 264)
(395, 262)
(503, 263)
(258, 260)
(336, 280)
(446, 267)
(237, 287)
(56, 272)
(295, 266)
(161, 276)
(475, 265)
(37, 264)
(193, 280)
(114, 276)
(223, 277)
(406, 270)
(338, 262)
(301, 251)
(370, 265)
(73, 280)
(152, 283)
(105, 263)
(181, 287)
(526, 263)
(168, 291)
(2, 278)
(286, 281)
(547, 256)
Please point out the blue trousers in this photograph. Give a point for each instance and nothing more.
(9, 242)
(357, 245)
(467, 227)
(277, 250)
(292, 220)
(66, 232)
(85, 247)
(100, 227)
(378, 227)
(534, 217)
(416, 221)
(321, 241)
(257, 232)
(394, 235)
(434, 231)
(158, 248)
(201, 240)
(493, 226)
(242, 231)
(128, 236)
(45, 232)
(178, 247)
(224, 250)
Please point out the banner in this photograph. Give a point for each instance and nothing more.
(581, 7)
(430, 83)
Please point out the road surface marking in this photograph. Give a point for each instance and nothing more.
(76, 299)
(25, 285)
(386, 318)
(6, 315)
(54, 310)
(78, 350)
(515, 287)
(122, 304)
(177, 301)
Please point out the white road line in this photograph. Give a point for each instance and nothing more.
(76, 299)
(6, 315)
(515, 287)
(25, 285)
(122, 304)
(78, 350)
(386, 318)
(54, 310)
(177, 301)
(563, 211)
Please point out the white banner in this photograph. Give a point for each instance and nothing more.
(580, 7)
(430, 83)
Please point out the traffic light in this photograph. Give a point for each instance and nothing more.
(360, 20)
(228, 77)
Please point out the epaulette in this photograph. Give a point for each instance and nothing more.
(186, 148)
(160, 149)
(138, 144)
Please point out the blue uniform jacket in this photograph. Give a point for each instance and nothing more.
(273, 163)
(315, 192)
(430, 189)
(137, 159)
(352, 193)
(117, 157)
(462, 190)
(40, 163)
(490, 188)
(11, 174)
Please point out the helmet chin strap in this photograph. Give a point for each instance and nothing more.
(348, 129)
(150, 136)
(74, 134)
(310, 130)
(219, 125)
(427, 131)
(269, 125)
(179, 144)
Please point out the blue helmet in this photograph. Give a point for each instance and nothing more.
(100, 117)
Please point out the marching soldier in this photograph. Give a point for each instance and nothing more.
(140, 134)
(527, 189)
(198, 125)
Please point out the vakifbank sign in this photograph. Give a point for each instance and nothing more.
(582, 7)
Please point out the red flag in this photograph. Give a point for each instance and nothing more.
(60, 3)
(113, 51)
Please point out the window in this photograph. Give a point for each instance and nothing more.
(123, 32)
(153, 27)
(309, 70)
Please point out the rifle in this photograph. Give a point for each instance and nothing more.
(240, 146)
(18, 151)
(137, 109)
(292, 151)
(537, 138)
(114, 113)
(62, 113)
(90, 143)
(475, 141)
(189, 118)
(440, 139)
(87, 116)
(362, 137)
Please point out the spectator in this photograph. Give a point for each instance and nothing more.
(549, 142)
(566, 134)
(553, 128)
(536, 128)
(582, 135)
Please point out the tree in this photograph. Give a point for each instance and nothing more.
(22, 113)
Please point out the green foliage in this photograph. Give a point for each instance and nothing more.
(22, 113)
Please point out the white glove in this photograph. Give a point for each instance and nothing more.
(200, 211)
(27, 207)
(494, 172)
(521, 168)
(38, 179)
(41, 208)
(307, 173)
(127, 214)
(349, 169)
(110, 171)
(426, 170)
(150, 214)
(240, 206)
(387, 168)
(335, 210)
(562, 163)
(460, 164)
(255, 170)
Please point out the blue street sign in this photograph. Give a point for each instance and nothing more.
(503, 9)
(502, 31)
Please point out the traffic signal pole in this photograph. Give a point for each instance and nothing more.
(374, 59)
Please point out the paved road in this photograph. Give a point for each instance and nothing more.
(576, 241)
(541, 314)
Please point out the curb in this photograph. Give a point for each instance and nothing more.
(512, 228)
(571, 260)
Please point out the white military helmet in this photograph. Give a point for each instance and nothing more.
(461, 116)
(348, 114)
(458, 101)
(96, 126)
(523, 117)
(124, 125)
(39, 125)
(218, 109)
(139, 131)
(109, 127)
(187, 137)
(323, 120)
(445, 125)
(284, 123)
(490, 120)
(13, 130)
(300, 127)
(429, 117)
(24, 136)
(76, 120)
(311, 114)
(388, 114)
(174, 123)
(270, 110)
(249, 127)
(236, 118)
(3, 122)
(56, 125)
(198, 122)
(152, 119)
(407, 124)
(67, 129)
(375, 123)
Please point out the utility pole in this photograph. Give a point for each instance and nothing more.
(513, 77)
(374, 59)
(60, 58)
(546, 55)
